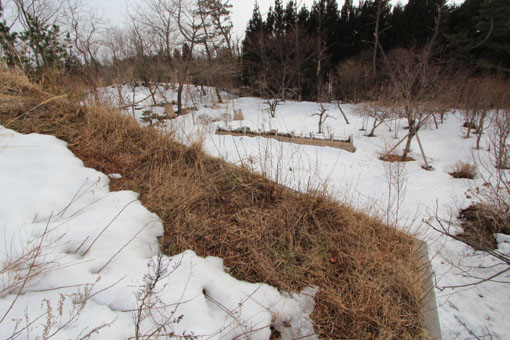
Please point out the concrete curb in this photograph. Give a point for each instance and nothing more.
(429, 306)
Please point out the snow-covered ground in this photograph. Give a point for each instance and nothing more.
(90, 256)
(406, 193)
(77, 260)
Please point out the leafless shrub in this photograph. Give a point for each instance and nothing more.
(323, 115)
(499, 136)
(378, 112)
(396, 180)
(482, 99)
(151, 307)
(354, 81)
(479, 222)
(414, 84)
(19, 269)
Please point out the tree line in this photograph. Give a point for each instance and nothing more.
(323, 53)
(297, 52)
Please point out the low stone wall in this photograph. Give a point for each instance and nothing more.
(344, 144)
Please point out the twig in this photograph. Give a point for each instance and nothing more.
(32, 265)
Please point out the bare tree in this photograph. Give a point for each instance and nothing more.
(380, 112)
(85, 27)
(480, 99)
(414, 84)
(323, 116)
(48, 12)
(353, 81)
(158, 17)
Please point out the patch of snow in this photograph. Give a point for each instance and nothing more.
(77, 259)
(115, 176)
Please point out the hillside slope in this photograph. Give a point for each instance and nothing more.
(367, 271)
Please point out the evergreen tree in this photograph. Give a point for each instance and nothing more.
(303, 16)
(254, 36)
(44, 40)
(493, 24)
(219, 12)
(397, 21)
(331, 26)
(420, 19)
(346, 28)
(324, 25)
(279, 21)
(461, 34)
(290, 17)
(270, 21)
(7, 42)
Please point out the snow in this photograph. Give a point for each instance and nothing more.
(404, 193)
(84, 259)
(44, 186)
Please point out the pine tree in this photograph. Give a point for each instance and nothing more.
(303, 16)
(345, 42)
(269, 22)
(44, 41)
(494, 24)
(254, 36)
(290, 17)
(218, 12)
(420, 16)
(7, 42)
(279, 14)
(397, 21)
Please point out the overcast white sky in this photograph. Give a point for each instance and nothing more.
(115, 10)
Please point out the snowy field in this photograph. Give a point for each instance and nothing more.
(86, 261)
(404, 193)
(86, 258)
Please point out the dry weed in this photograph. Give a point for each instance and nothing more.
(463, 170)
(396, 158)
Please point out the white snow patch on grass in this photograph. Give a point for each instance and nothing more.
(75, 260)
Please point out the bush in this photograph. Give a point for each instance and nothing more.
(480, 222)
(354, 81)
(463, 170)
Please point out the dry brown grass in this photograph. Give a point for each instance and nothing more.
(396, 158)
(463, 170)
(367, 271)
(480, 223)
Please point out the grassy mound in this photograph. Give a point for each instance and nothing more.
(367, 271)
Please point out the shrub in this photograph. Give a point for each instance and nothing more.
(463, 170)
(480, 222)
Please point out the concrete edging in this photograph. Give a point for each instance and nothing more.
(429, 306)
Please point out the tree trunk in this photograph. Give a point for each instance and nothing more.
(152, 92)
(375, 126)
(179, 98)
(469, 125)
(480, 130)
(408, 146)
(218, 94)
(376, 37)
(410, 136)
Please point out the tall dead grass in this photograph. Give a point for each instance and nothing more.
(367, 271)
